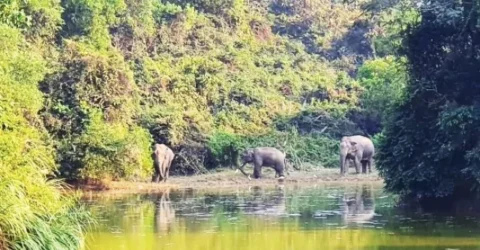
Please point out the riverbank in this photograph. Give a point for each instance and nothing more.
(228, 179)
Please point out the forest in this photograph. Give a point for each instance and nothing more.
(88, 86)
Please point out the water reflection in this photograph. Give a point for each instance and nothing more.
(358, 207)
(256, 218)
(262, 202)
(164, 214)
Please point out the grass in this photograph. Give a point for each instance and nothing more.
(30, 221)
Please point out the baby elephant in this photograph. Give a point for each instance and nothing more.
(264, 156)
(163, 157)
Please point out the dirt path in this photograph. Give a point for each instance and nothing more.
(229, 179)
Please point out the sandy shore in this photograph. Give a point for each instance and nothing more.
(230, 178)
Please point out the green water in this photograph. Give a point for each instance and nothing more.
(322, 217)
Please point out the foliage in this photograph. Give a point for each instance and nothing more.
(35, 215)
(37, 18)
(430, 147)
(302, 151)
(185, 70)
(106, 144)
(383, 80)
(225, 148)
(393, 24)
(92, 118)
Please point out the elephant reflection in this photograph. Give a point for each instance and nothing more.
(358, 207)
(265, 203)
(164, 214)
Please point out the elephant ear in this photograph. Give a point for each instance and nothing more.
(247, 152)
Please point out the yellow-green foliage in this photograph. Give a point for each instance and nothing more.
(184, 69)
(118, 75)
(114, 150)
(90, 19)
(20, 100)
(34, 213)
(104, 80)
(93, 100)
(36, 17)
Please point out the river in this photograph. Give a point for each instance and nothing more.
(322, 217)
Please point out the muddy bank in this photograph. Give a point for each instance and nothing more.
(229, 179)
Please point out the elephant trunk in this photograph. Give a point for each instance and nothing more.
(343, 161)
(243, 172)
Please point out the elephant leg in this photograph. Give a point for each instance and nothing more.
(364, 167)
(157, 172)
(164, 168)
(257, 171)
(279, 169)
(156, 177)
(343, 168)
(257, 167)
(357, 164)
(167, 170)
(165, 174)
(343, 164)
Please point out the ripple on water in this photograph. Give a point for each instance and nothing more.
(335, 218)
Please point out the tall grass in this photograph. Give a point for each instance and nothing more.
(33, 212)
(34, 215)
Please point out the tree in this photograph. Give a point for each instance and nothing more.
(430, 147)
(383, 81)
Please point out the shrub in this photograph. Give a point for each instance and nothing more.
(114, 150)
(34, 214)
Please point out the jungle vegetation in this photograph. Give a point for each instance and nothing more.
(87, 87)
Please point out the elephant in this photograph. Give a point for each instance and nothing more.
(358, 148)
(264, 156)
(163, 157)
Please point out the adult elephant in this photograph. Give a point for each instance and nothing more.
(264, 157)
(358, 148)
(163, 157)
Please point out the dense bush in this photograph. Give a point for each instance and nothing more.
(430, 147)
(303, 151)
(34, 215)
(383, 81)
(184, 70)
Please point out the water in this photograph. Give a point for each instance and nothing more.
(324, 217)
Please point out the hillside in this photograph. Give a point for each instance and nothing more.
(207, 77)
(198, 76)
